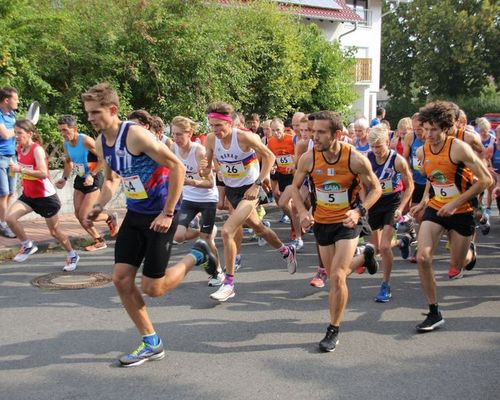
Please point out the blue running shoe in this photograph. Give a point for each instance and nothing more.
(143, 353)
(237, 263)
(385, 293)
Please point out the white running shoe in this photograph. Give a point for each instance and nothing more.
(71, 263)
(298, 243)
(25, 252)
(224, 293)
(291, 260)
(216, 280)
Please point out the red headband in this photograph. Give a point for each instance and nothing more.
(223, 117)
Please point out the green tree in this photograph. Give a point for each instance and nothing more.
(444, 48)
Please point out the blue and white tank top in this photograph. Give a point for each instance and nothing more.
(495, 159)
(239, 168)
(145, 182)
(362, 149)
(389, 178)
(415, 164)
(191, 193)
(487, 142)
(79, 156)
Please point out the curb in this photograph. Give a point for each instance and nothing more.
(78, 242)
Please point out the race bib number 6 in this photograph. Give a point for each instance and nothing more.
(445, 193)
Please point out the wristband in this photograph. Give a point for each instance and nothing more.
(165, 214)
(65, 178)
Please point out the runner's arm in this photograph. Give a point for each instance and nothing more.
(361, 166)
(90, 145)
(206, 182)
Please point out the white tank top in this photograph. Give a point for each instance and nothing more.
(239, 168)
(191, 193)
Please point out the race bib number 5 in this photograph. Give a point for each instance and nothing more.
(332, 200)
(133, 188)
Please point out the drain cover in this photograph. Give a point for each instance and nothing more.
(73, 280)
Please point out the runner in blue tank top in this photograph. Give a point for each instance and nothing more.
(81, 157)
(132, 153)
(392, 171)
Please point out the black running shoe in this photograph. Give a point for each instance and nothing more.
(472, 263)
(404, 246)
(371, 263)
(330, 340)
(432, 322)
(209, 262)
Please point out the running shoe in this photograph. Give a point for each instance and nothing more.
(195, 223)
(261, 240)
(291, 260)
(484, 226)
(209, 262)
(216, 280)
(404, 246)
(284, 219)
(6, 231)
(371, 262)
(298, 244)
(330, 341)
(112, 222)
(472, 262)
(224, 293)
(432, 322)
(71, 263)
(145, 352)
(319, 279)
(385, 293)
(237, 263)
(97, 245)
(25, 252)
(455, 273)
(261, 212)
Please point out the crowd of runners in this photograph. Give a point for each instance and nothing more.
(362, 190)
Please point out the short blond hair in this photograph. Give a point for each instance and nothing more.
(378, 134)
(405, 123)
(185, 123)
(483, 124)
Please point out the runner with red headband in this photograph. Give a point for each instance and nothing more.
(236, 152)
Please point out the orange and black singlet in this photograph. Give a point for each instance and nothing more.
(335, 187)
(449, 180)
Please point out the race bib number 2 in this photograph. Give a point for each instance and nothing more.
(133, 188)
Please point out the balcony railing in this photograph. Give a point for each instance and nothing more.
(364, 13)
(363, 70)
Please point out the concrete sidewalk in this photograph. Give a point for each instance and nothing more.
(37, 230)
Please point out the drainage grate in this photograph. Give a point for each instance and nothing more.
(72, 280)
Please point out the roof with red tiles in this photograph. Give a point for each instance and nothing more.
(338, 11)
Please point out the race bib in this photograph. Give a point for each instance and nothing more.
(417, 164)
(332, 200)
(445, 193)
(133, 188)
(26, 176)
(234, 170)
(386, 185)
(284, 161)
(79, 169)
(193, 175)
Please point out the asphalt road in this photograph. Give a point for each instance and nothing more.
(262, 344)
